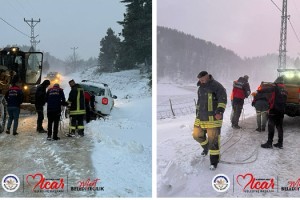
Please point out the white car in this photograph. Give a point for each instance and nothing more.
(104, 100)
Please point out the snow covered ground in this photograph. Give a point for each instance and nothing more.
(115, 154)
(122, 155)
(182, 172)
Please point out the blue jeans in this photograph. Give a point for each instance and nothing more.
(13, 113)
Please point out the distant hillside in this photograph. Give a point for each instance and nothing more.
(180, 57)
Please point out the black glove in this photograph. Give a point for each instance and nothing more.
(220, 110)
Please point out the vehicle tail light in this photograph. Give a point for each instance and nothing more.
(104, 101)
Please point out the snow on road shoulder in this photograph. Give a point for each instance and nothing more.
(122, 155)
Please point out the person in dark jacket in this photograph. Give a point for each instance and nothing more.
(92, 105)
(55, 98)
(14, 98)
(40, 100)
(276, 115)
(77, 109)
(211, 104)
(262, 104)
(240, 91)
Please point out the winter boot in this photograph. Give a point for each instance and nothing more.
(267, 145)
(56, 138)
(81, 133)
(15, 133)
(42, 130)
(7, 131)
(258, 130)
(236, 127)
(213, 167)
(72, 134)
(278, 145)
(204, 152)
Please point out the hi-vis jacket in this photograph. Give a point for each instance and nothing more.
(212, 100)
(76, 99)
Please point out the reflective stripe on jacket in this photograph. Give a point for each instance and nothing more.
(212, 100)
(76, 98)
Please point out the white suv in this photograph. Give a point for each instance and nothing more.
(104, 100)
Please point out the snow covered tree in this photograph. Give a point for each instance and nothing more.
(136, 48)
(108, 51)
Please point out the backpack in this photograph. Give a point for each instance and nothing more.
(266, 91)
(280, 95)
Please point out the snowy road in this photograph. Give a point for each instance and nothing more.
(182, 172)
(30, 153)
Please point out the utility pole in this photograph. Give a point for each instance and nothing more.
(74, 56)
(283, 37)
(32, 24)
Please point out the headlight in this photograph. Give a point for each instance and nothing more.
(290, 75)
(25, 87)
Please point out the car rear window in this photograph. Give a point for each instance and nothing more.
(96, 90)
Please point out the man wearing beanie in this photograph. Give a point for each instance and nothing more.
(211, 104)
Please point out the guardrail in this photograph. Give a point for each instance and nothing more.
(176, 106)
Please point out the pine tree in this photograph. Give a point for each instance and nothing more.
(136, 48)
(108, 51)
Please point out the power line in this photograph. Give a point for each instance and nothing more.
(294, 30)
(276, 6)
(289, 21)
(32, 24)
(14, 27)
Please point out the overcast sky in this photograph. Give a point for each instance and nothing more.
(64, 24)
(248, 27)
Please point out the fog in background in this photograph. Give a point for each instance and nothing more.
(248, 27)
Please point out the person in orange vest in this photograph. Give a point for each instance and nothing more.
(276, 115)
(240, 91)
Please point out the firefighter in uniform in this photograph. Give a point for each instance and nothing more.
(240, 91)
(55, 98)
(77, 109)
(211, 104)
